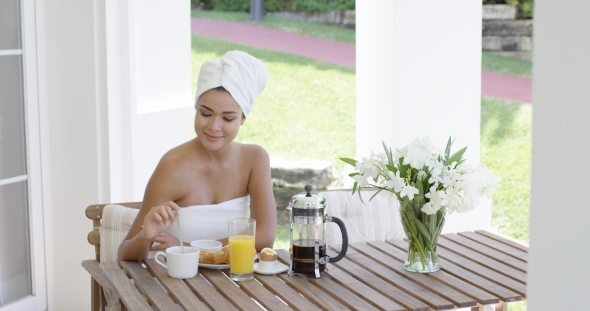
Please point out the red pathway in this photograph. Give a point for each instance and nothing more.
(492, 84)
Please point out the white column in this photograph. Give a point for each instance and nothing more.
(419, 73)
(559, 228)
(118, 82)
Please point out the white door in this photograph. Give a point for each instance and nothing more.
(22, 252)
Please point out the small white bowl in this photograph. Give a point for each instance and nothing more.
(207, 245)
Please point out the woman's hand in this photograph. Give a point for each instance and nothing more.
(166, 240)
(158, 219)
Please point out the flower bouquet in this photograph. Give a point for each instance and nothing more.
(428, 184)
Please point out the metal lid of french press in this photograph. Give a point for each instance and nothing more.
(307, 203)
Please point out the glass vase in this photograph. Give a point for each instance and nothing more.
(422, 231)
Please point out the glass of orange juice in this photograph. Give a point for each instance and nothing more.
(241, 248)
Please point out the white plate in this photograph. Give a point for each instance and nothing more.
(280, 268)
(222, 266)
(213, 266)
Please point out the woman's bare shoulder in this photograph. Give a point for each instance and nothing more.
(254, 152)
(177, 159)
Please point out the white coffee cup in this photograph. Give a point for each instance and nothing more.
(207, 245)
(180, 265)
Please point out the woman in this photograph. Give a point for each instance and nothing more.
(211, 178)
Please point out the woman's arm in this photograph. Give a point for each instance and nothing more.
(154, 216)
(262, 203)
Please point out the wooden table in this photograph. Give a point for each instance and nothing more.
(478, 268)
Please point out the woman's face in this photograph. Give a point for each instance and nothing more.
(218, 119)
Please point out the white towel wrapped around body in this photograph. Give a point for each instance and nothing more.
(209, 222)
(199, 222)
(240, 73)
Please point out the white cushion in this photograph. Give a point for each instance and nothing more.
(375, 220)
(116, 222)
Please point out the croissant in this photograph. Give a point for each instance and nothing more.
(215, 258)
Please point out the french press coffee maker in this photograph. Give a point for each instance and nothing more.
(308, 234)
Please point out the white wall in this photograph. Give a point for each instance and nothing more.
(559, 231)
(419, 73)
(106, 72)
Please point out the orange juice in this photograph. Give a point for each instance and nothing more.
(241, 254)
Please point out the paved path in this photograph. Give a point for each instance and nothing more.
(492, 84)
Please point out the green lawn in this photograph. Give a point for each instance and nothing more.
(304, 98)
(315, 102)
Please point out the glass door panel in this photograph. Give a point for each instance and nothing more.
(15, 248)
(12, 129)
(15, 263)
(10, 25)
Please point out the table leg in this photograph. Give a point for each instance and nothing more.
(502, 306)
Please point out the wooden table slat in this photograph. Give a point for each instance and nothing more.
(457, 298)
(361, 289)
(229, 290)
(483, 260)
(499, 246)
(177, 288)
(482, 271)
(481, 296)
(388, 290)
(440, 277)
(130, 296)
(504, 293)
(208, 293)
(93, 267)
(431, 299)
(265, 297)
(504, 239)
(478, 268)
(488, 251)
(335, 290)
(286, 293)
(149, 287)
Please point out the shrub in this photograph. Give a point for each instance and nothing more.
(525, 7)
(276, 5)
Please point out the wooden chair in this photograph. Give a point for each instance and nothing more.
(102, 294)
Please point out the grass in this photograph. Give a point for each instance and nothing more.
(304, 98)
(300, 27)
(507, 126)
(507, 65)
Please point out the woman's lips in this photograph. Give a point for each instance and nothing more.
(213, 138)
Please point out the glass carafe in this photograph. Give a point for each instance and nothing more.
(308, 235)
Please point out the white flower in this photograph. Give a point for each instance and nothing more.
(395, 182)
(438, 199)
(408, 191)
(361, 180)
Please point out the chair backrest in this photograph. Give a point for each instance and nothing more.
(377, 219)
(110, 224)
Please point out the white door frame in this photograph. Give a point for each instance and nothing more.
(38, 299)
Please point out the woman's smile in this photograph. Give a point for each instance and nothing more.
(213, 138)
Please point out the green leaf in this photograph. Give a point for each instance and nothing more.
(448, 149)
(349, 161)
(388, 153)
(391, 168)
(456, 157)
(354, 187)
(376, 193)
(354, 174)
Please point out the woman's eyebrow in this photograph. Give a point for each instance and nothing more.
(225, 112)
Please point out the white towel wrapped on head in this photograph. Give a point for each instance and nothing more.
(240, 73)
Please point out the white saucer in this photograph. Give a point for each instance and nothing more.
(277, 268)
